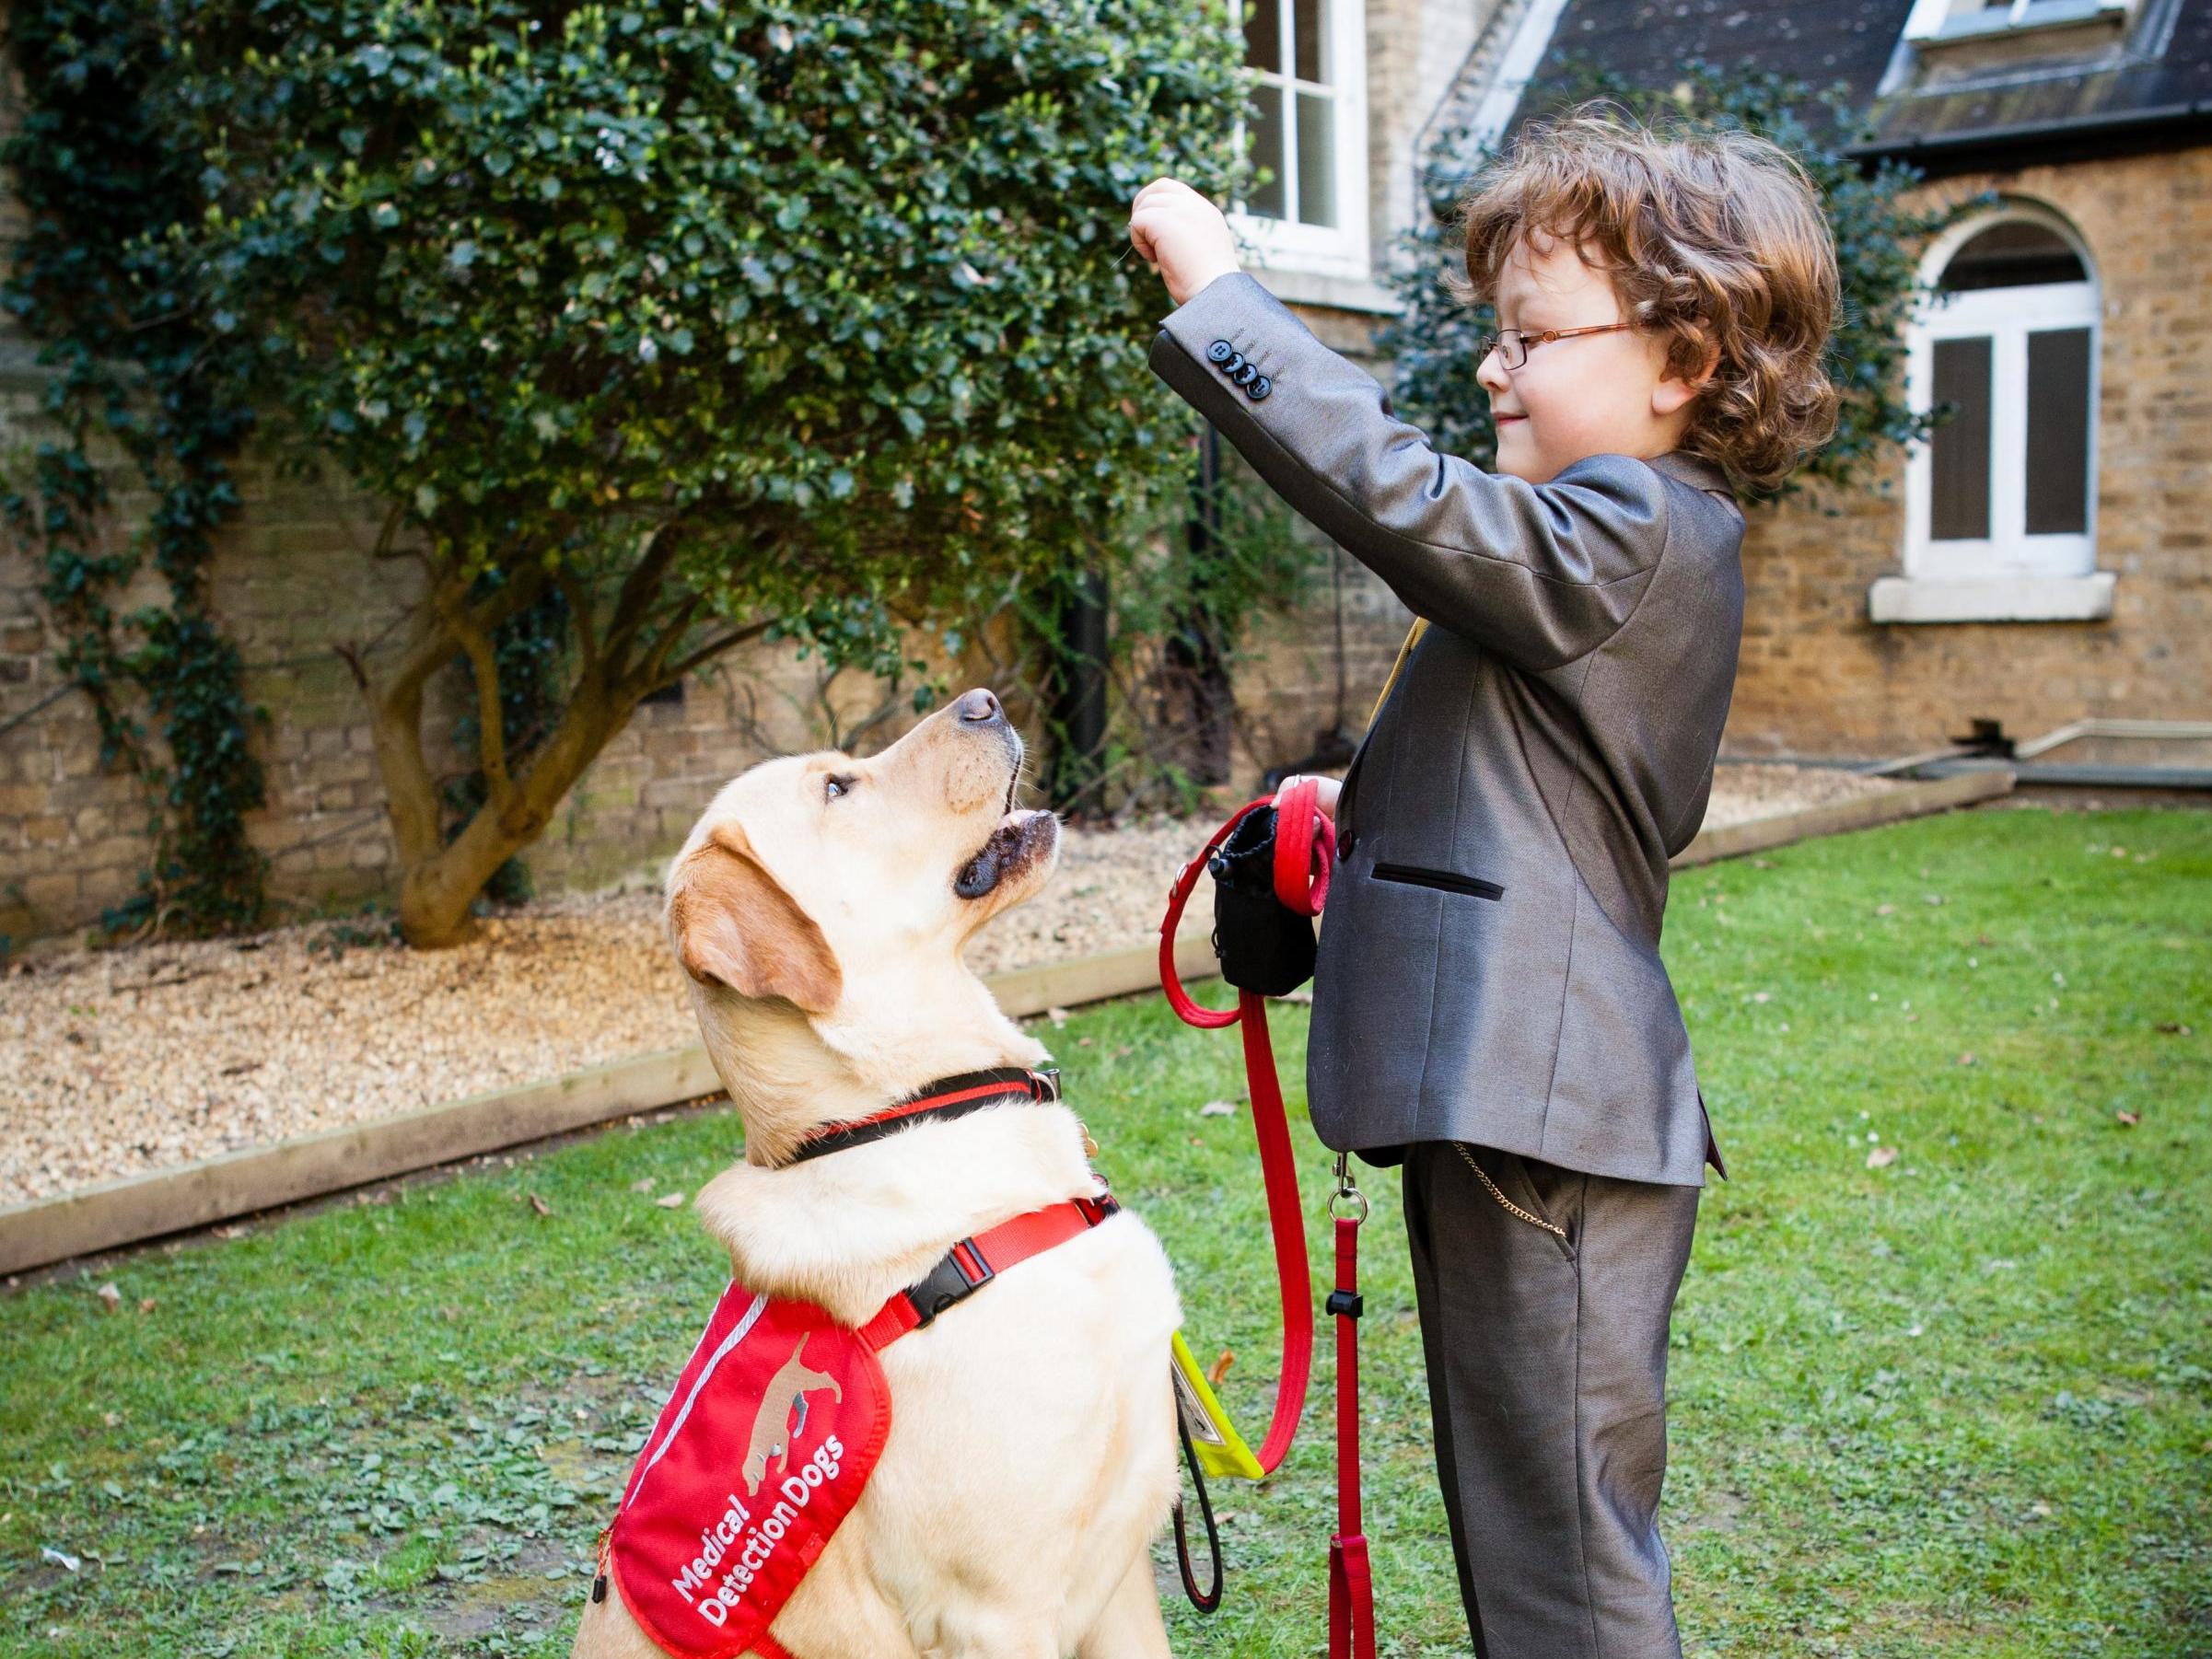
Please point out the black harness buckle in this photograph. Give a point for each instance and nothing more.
(958, 1274)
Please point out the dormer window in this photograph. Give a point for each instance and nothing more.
(1306, 122)
(1937, 22)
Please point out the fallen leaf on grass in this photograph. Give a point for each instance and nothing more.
(1881, 1158)
(65, 1561)
(1218, 1108)
(647, 1185)
(111, 1299)
(2128, 1120)
(2170, 1027)
(1966, 1060)
(1057, 1015)
(540, 1205)
(145, 1304)
(1220, 1368)
(670, 1201)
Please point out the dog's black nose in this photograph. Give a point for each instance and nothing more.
(980, 708)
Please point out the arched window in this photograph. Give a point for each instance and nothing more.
(2001, 501)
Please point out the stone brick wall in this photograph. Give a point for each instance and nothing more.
(1817, 677)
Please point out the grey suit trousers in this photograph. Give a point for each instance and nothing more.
(1548, 1385)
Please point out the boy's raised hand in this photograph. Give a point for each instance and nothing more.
(1182, 235)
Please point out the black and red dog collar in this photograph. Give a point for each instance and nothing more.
(946, 1098)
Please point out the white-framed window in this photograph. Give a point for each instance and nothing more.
(1938, 20)
(1306, 122)
(2002, 499)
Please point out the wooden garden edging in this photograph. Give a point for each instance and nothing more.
(1893, 806)
(239, 1183)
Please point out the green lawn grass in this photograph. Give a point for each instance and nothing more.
(1957, 1404)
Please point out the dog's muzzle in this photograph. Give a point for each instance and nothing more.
(1019, 841)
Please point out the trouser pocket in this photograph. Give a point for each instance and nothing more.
(1529, 1189)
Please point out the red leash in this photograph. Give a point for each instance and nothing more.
(1305, 853)
(1351, 1587)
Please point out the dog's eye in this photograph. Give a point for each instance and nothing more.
(837, 785)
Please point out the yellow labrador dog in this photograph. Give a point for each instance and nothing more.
(819, 908)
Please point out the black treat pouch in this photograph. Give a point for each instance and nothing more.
(1263, 944)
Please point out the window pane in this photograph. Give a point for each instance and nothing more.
(1263, 35)
(2012, 255)
(2058, 432)
(1309, 38)
(1263, 128)
(1317, 160)
(1959, 507)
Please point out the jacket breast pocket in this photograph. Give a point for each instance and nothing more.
(1448, 881)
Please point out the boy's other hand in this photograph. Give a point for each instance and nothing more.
(1182, 235)
(1325, 792)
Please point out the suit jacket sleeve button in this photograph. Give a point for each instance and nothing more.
(1235, 362)
(1220, 351)
(1246, 375)
(1259, 389)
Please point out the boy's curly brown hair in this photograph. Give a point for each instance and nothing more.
(1711, 234)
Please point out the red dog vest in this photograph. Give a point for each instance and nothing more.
(767, 1442)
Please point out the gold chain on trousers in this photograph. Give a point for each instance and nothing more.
(1512, 1207)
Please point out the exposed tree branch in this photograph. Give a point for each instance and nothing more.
(634, 605)
(580, 616)
(714, 647)
(655, 665)
(388, 536)
(491, 721)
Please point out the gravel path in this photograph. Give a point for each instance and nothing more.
(116, 1062)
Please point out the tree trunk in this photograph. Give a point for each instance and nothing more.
(436, 891)
(438, 879)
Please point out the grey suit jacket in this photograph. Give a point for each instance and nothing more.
(1489, 967)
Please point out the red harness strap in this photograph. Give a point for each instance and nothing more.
(975, 1262)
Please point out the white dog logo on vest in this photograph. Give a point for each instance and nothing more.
(787, 1390)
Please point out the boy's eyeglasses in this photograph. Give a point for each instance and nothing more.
(1512, 344)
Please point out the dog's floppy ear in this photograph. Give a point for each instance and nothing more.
(734, 925)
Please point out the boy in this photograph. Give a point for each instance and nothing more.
(1489, 1005)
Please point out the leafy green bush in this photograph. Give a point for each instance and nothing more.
(725, 322)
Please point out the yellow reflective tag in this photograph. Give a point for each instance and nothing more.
(1221, 1450)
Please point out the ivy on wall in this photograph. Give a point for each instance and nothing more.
(93, 281)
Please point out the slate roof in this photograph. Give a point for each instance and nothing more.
(2151, 89)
